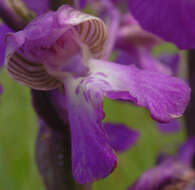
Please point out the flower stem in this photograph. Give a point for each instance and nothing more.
(190, 113)
(53, 147)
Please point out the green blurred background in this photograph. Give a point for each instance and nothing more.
(18, 130)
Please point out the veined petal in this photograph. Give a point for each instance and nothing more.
(120, 137)
(171, 20)
(164, 96)
(92, 156)
(53, 37)
(91, 30)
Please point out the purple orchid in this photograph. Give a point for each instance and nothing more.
(65, 50)
(171, 20)
(172, 172)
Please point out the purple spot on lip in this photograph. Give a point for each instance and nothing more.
(101, 74)
(77, 91)
(86, 96)
(81, 81)
(89, 95)
(105, 82)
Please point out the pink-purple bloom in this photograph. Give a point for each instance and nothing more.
(66, 50)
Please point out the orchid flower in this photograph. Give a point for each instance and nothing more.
(65, 50)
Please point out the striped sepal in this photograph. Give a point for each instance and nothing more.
(92, 30)
(30, 74)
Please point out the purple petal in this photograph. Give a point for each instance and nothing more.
(171, 127)
(120, 137)
(187, 152)
(39, 6)
(164, 96)
(171, 20)
(3, 30)
(92, 156)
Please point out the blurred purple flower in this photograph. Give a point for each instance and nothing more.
(134, 46)
(171, 172)
(171, 20)
(66, 50)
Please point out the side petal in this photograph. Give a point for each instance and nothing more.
(164, 96)
(92, 156)
(171, 20)
(120, 137)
